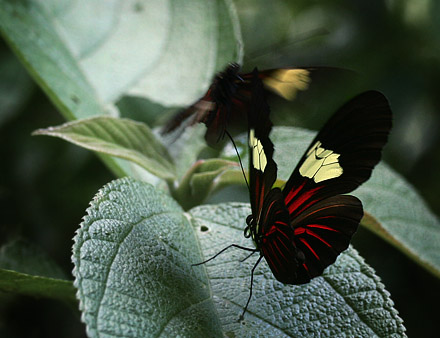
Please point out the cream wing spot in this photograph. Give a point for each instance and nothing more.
(287, 82)
(259, 157)
(321, 164)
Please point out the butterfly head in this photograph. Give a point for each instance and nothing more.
(225, 85)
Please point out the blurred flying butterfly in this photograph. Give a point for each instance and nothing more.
(301, 229)
(225, 104)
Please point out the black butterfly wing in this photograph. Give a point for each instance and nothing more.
(343, 154)
(219, 104)
(340, 158)
(277, 239)
(323, 231)
(288, 83)
(262, 167)
(196, 113)
(226, 103)
(270, 227)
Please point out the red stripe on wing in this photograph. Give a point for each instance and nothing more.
(269, 260)
(324, 227)
(309, 247)
(311, 233)
(292, 193)
(301, 230)
(298, 200)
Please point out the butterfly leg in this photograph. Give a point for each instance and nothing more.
(255, 250)
(250, 292)
(223, 250)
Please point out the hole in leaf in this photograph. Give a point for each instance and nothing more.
(75, 99)
(204, 228)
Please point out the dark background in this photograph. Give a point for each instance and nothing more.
(392, 46)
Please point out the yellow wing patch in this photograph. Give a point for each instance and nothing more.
(321, 164)
(287, 82)
(259, 157)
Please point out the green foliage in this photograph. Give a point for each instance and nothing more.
(132, 259)
(134, 249)
(26, 269)
(133, 256)
(122, 138)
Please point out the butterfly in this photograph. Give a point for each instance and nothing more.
(301, 229)
(225, 104)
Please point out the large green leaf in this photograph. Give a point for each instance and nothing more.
(186, 149)
(347, 301)
(403, 218)
(28, 29)
(133, 272)
(122, 138)
(133, 256)
(89, 54)
(148, 48)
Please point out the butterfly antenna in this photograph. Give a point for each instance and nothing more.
(250, 292)
(239, 158)
(284, 45)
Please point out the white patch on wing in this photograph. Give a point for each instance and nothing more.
(259, 157)
(321, 164)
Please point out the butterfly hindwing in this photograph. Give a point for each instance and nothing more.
(276, 241)
(323, 231)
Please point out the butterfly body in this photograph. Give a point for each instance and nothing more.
(225, 104)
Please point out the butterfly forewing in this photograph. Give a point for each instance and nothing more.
(270, 228)
(285, 82)
(343, 154)
(339, 159)
(226, 103)
(262, 167)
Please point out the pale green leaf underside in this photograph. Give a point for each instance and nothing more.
(394, 203)
(88, 54)
(163, 50)
(347, 301)
(122, 138)
(132, 257)
(31, 34)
